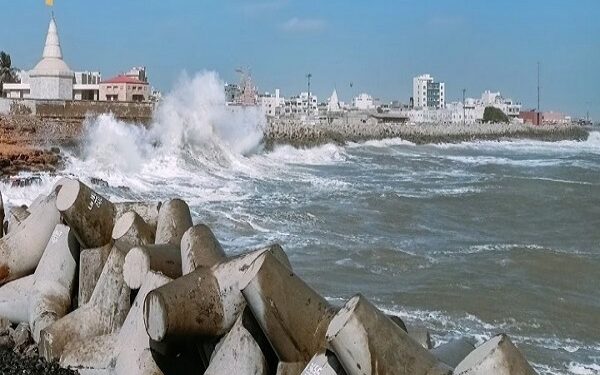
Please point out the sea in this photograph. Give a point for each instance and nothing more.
(469, 239)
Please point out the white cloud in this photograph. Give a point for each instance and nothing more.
(304, 25)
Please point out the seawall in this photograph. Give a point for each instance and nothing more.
(340, 131)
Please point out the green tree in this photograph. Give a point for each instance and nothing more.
(495, 115)
(7, 72)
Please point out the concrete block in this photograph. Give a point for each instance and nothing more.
(140, 260)
(16, 215)
(498, 356)
(54, 278)
(102, 315)
(147, 211)
(91, 263)
(291, 314)
(90, 215)
(200, 248)
(21, 250)
(453, 352)
(131, 230)
(366, 341)
(324, 363)
(205, 302)
(421, 335)
(14, 299)
(238, 353)
(174, 218)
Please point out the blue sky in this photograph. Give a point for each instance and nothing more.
(377, 45)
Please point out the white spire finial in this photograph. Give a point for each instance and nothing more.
(52, 47)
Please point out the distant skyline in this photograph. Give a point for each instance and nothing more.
(378, 46)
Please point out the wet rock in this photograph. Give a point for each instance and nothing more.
(98, 182)
(26, 181)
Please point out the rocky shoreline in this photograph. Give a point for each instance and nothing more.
(300, 134)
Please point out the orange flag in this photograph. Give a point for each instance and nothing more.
(49, 2)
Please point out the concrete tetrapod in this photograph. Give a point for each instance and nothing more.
(205, 302)
(126, 352)
(324, 363)
(453, 352)
(147, 211)
(131, 230)
(238, 353)
(367, 342)
(103, 314)
(53, 282)
(16, 215)
(420, 334)
(141, 260)
(290, 368)
(90, 215)
(14, 299)
(91, 263)
(292, 315)
(498, 356)
(200, 248)
(174, 219)
(21, 250)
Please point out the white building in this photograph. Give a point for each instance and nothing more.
(472, 110)
(427, 93)
(301, 105)
(273, 105)
(52, 78)
(363, 102)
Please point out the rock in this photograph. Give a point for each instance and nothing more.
(4, 326)
(21, 336)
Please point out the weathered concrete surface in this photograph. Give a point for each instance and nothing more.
(295, 326)
(498, 356)
(21, 250)
(131, 230)
(174, 218)
(54, 280)
(453, 352)
(205, 302)
(238, 353)
(420, 334)
(367, 342)
(16, 215)
(103, 314)
(90, 215)
(147, 211)
(200, 248)
(91, 263)
(14, 299)
(324, 363)
(140, 260)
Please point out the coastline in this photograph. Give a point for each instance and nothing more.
(31, 144)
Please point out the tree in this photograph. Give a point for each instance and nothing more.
(7, 72)
(494, 115)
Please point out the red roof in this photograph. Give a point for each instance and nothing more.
(125, 79)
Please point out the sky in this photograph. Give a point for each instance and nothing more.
(378, 46)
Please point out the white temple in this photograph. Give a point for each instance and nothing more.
(51, 78)
(334, 104)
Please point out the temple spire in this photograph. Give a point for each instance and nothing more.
(52, 48)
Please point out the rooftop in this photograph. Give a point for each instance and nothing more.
(125, 79)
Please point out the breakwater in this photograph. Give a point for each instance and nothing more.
(340, 131)
(246, 314)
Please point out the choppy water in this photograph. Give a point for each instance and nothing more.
(470, 239)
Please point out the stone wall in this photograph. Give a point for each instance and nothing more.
(77, 110)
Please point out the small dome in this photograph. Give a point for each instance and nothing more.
(49, 64)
